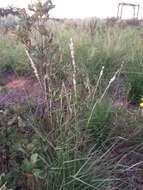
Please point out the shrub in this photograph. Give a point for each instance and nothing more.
(12, 57)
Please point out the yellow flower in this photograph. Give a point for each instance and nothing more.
(141, 104)
(141, 99)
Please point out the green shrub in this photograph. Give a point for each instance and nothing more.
(12, 57)
(136, 88)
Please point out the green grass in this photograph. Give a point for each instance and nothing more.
(65, 148)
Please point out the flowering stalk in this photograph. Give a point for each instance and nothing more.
(97, 84)
(71, 45)
(34, 67)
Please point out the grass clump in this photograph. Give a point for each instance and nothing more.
(77, 138)
(99, 124)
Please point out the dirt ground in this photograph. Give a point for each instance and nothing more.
(17, 90)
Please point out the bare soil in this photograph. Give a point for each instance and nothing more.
(18, 90)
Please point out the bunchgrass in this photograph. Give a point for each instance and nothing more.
(78, 139)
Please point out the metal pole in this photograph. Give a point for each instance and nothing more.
(118, 10)
(134, 12)
(138, 9)
(121, 11)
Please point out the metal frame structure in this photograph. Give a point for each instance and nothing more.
(136, 9)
